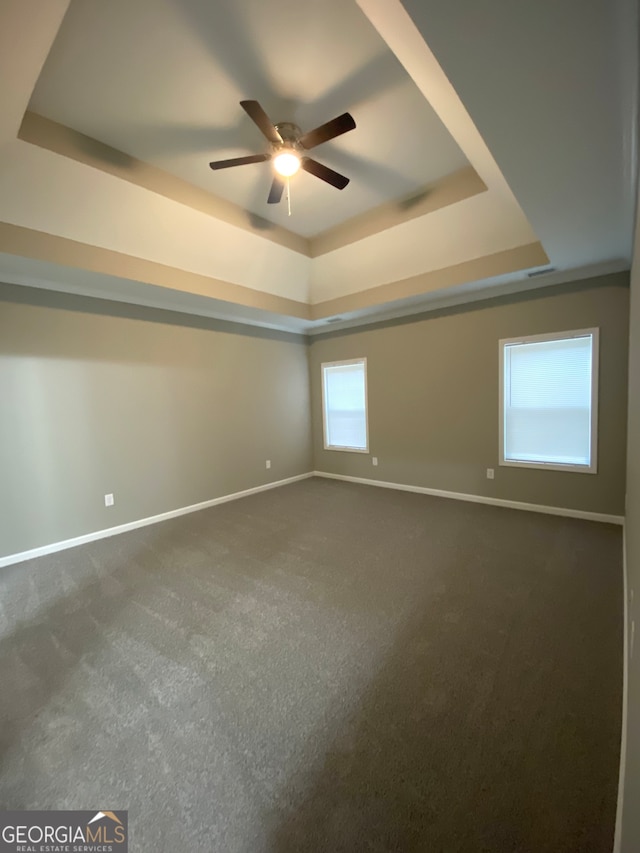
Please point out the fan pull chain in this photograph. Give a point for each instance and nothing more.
(289, 195)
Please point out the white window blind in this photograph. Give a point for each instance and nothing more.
(548, 395)
(344, 386)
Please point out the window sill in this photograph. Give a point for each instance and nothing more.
(347, 449)
(551, 466)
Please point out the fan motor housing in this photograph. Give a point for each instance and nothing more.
(289, 132)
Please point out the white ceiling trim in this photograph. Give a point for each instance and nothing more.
(474, 291)
(43, 275)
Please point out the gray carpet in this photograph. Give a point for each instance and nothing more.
(323, 667)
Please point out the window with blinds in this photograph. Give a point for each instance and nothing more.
(344, 404)
(549, 401)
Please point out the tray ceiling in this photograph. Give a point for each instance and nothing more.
(490, 142)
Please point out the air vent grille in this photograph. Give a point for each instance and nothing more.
(536, 273)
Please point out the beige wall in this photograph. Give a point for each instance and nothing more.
(163, 410)
(166, 410)
(433, 396)
(631, 810)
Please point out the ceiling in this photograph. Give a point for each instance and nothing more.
(491, 140)
(161, 80)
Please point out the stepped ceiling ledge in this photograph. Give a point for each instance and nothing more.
(491, 154)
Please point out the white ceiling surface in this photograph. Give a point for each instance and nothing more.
(543, 82)
(63, 197)
(161, 80)
(489, 225)
(23, 49)
(552, 88)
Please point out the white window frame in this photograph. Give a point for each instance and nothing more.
(324, 364)
(595, 362)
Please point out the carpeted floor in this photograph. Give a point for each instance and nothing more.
(323, 667)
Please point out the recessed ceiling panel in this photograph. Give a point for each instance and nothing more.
(161, 80)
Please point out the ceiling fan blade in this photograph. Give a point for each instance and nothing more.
(239, 161)
(262, 120)
(330, 130)
(324, 173)
(275, 193)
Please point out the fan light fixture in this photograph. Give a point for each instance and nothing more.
(287, 150)
(286, 163)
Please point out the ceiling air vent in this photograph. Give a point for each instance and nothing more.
(536, 273)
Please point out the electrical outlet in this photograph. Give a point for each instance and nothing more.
(374, 460)
(490, 473)
(268, 464)
(108, 500)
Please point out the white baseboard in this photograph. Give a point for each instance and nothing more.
(480, 499)
(154, 519)
(142, 522)
(617, 839)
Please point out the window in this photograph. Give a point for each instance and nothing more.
(549, 401)
(344, 405)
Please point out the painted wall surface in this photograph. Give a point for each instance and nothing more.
(163, 410)
(433, 386)
(630, 836)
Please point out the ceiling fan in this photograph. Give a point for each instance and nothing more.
(288, 144)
